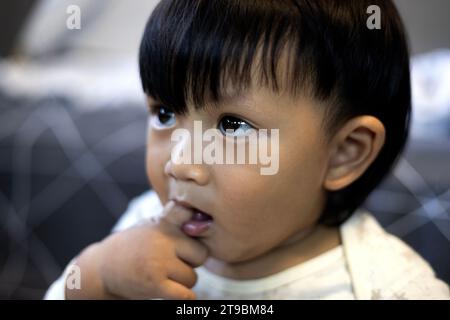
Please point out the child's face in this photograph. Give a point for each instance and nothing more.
(252, 213)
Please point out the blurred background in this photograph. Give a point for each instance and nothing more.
(72, 134)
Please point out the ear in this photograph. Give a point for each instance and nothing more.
(353, 149)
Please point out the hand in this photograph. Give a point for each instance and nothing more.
(152, 260)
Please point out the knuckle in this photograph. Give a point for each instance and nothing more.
(150, 273)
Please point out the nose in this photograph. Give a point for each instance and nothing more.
(182, 168)
(197, 173)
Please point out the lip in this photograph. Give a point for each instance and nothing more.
(197, 226)
(189, 206)
(183, 203)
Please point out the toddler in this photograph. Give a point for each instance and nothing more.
(318, 85)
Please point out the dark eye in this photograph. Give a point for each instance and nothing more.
(163, 117)
(233, 126)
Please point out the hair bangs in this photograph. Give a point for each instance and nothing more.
(200, 52)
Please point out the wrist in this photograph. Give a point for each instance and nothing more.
(90, 285)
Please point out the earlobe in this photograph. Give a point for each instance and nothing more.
(353, 150)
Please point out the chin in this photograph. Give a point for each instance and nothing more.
(230, 254)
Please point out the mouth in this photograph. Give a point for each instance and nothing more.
(198, 224)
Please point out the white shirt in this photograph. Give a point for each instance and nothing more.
(323, 277)
(370, 264)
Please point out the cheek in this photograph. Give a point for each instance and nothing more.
(259, 211)
(157, 155)
(303, 163)
(242, 190)
(295, 191)
(254, 214)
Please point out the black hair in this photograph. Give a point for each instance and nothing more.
(191, 50)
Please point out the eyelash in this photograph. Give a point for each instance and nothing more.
(235, 119)
(155, 114)
(156, 121)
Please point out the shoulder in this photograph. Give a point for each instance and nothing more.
(141, 208)
(384, 267)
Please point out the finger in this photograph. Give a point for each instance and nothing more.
(173, 290)
(183, 274)
(191, 251)
(175, 214)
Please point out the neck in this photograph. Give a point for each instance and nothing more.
(295, 250)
